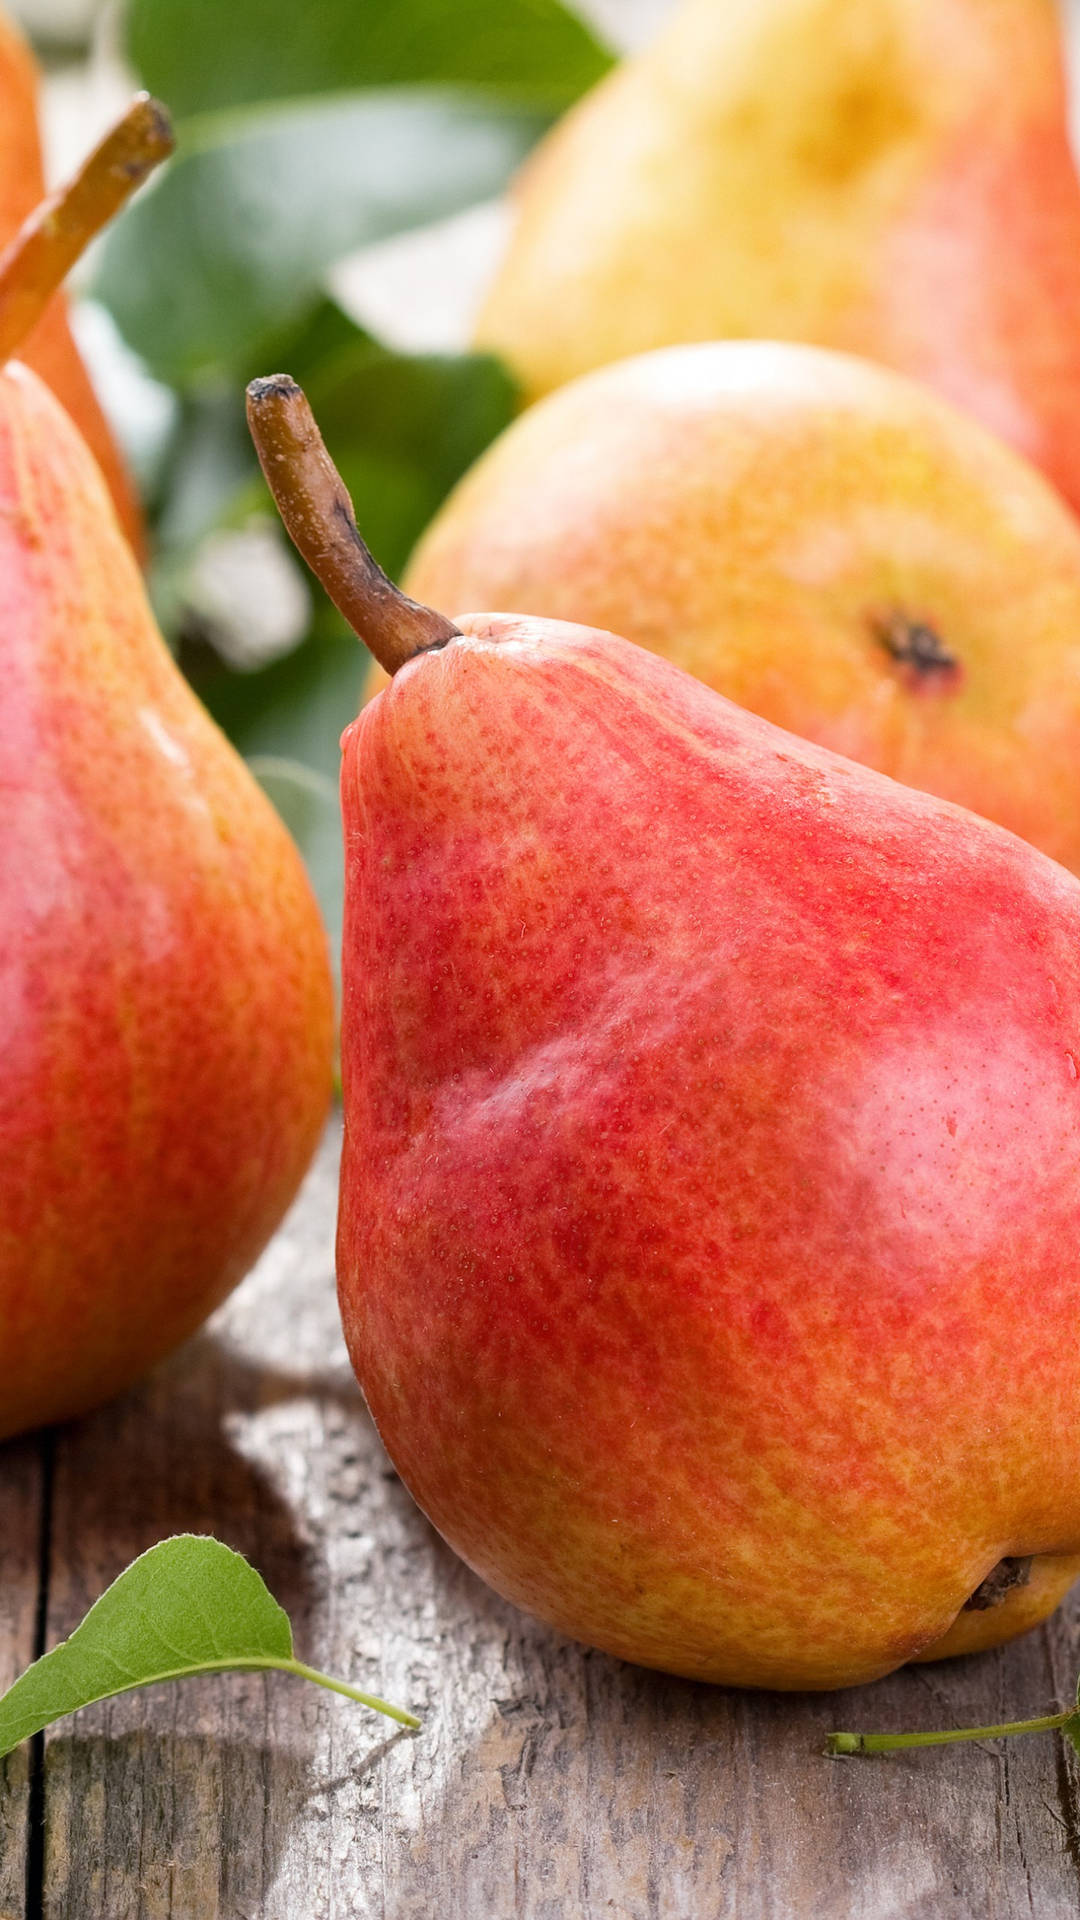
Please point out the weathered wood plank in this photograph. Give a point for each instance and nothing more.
(176, 1801)
(23, 1474)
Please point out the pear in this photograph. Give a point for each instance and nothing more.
(165, 996)
(827, 543)
(50, 349)
(709, 1238)
(891, 178)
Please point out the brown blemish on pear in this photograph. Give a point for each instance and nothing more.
(919, 652)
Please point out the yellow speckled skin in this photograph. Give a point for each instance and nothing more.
(891, 178)
(165, 996)
(760, 514)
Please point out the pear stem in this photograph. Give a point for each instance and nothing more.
(313, 502)
(56, 233)
(844, 1743)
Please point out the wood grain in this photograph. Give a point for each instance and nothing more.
(23, 1472)
(548, 1782)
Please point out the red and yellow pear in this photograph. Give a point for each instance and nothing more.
(165, 995)
(825, 542)
(709, 1240)
(888, 177)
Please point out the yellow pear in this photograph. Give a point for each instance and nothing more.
(888, 177)
(821, 540)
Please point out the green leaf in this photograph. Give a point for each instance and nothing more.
(202, 55)
(296, 708)
(1071, 1730)
(230, 244)
(210, 460)
(188, 1606)
(403, 428)
(307, 801)
(287, 720)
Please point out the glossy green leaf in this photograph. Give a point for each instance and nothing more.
(188, 1606)
(202, 55)
(287, 720)
(210, 460)
(295, 709)
(307, 801)
(230, 245)
(402, 429)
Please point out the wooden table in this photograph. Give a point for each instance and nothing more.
(548, 1782)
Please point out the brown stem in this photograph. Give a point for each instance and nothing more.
(312, 500)
(51, 240)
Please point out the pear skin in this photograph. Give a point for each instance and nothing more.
(825, 542)
(891, 178)
(710, 1208)
(50, 350)
(165, 996)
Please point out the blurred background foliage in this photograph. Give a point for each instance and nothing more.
(305, 132)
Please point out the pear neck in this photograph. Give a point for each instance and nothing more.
(51, 240)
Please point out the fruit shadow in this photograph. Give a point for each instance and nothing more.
(133, 1800)
(144, 1822)
(161, 1460)
(189, 1824)
(168, 1455)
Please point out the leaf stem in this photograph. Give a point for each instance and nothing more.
(399, 1714)
(312, 500)
(847, 1743)
(56, 233)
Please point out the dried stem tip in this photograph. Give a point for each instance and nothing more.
(51, 240)
(312, 500)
